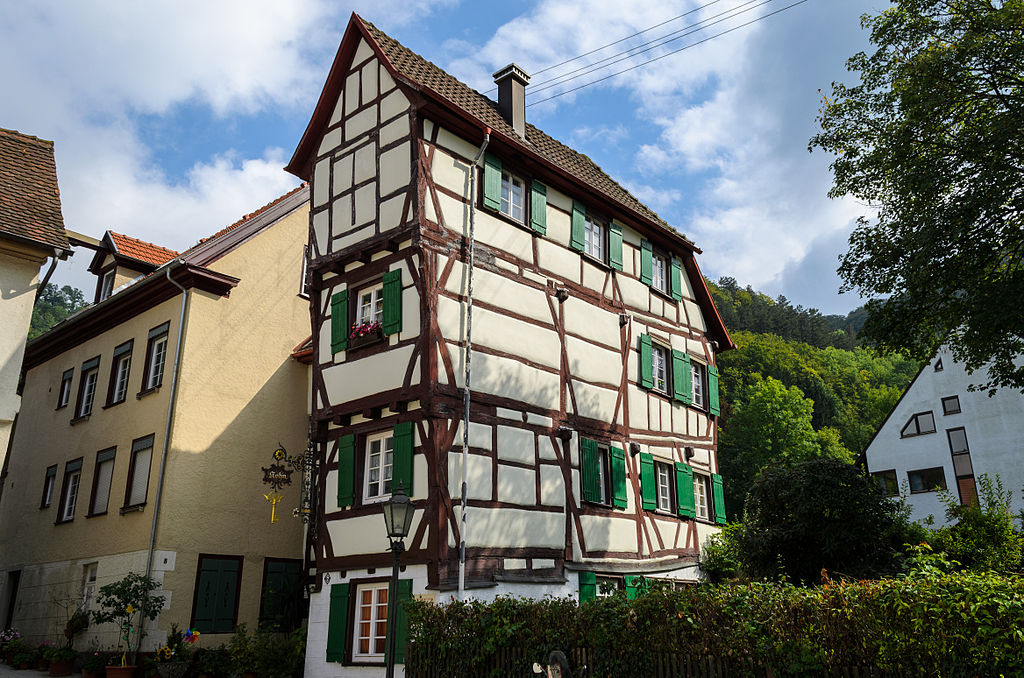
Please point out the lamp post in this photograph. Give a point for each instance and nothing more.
(398, 512)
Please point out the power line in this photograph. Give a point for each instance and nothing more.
(657, 58)
(657, 42)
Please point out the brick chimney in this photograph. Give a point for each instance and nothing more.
(511, 82)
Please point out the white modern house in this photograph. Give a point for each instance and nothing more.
(591, 452)
(943, 436)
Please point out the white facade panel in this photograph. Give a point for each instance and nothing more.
(516, 444)
(366, 376)
(517, 485)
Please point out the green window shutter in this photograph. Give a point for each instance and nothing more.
(719, 495)
(677, 279)
(539, 207)
(684, 490)
(216, 595)
(579, 213)
(402, 619)
(401, 471)
(492, 182)
(339, 321)
(633, 583)
(590, 461)
(337, 623)
(346, 470)
(646, 379)
(588, 586)
(393, 301)
(682, 387)
(615, 246)
(282, 596)
(713, 405)
(648, 489)
(646, 262)
(618, 477)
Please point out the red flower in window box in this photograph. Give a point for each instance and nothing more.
(365, 333)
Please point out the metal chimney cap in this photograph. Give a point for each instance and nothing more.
(514, 71)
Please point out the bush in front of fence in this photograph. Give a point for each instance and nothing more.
(930, 621)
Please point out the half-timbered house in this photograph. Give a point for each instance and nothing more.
(594, 393)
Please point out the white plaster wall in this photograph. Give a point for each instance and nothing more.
(512, 528)
(509, 378)
(601, 533)
(993, 427)
(366, 376)
(19, 277)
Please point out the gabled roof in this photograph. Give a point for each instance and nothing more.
(29, 196)
(413, 70)
(140, 250)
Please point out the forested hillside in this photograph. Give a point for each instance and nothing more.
(797, 386)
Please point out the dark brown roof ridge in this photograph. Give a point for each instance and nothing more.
(25, 138)
(576, 164)
(251, 215)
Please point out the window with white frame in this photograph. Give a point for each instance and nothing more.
(659, 272)
(69, 493)
(700, 496)
(119, 373)
(88, 585)
(64, 394)
(663, 475)
(48, 482)
(87, 387)
(379, 461)
(513, 192)
(107, 286)
(593, 238)
(371, 305)
(369, 634)
(156, 356)
(698, 381)
(138, 472)
(919, 424)
(659, 367)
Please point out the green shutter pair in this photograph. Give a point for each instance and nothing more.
(492, 194)
(684, 486)
(647, 270)
(340, 326)
(337, 623)
(590, 468)
(576, 235)
(682, 387)
(216, 595)
(401, 468)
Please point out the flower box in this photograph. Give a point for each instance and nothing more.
(365, 333)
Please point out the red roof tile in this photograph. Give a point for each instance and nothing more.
(140, 250)
(29, 196)
(258, 212)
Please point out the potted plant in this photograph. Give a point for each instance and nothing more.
(242, 649)
(364, 333)
(61, 659)
(213, 662)
(42, 655)
(93, 663)
(19, 652)
(122, 602)
(6, 638)
(173, 659)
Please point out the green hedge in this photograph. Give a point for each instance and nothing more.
(935, 624)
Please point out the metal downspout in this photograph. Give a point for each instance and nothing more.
(469, 344)
(167, 426)
(49, 272)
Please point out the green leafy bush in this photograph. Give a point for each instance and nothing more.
(982, 536)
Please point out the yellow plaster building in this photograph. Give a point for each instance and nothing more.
(146, 421)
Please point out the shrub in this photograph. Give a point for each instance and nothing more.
(118, 602)
(983, 536)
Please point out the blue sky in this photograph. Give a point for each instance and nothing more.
(172, 120)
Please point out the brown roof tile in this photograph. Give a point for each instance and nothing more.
(140, 250)
(252, 215)
(579, 166)
(29, 197)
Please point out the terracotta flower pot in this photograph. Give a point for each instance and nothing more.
(61, 667)
(120, 672)
(86, 673)
(42, 665)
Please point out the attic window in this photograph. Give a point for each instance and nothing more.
(938, 365)
(919, 424)
(107, 285)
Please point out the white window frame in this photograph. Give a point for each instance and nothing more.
(385, 470)
(376, 293)
(69, 496)
(368, 629)
(157, 355)
(664, 475)
(660, 360)
(48, 484)
(88, 392)
(698, 376)
(64, 395)
(659, 272)
(700, 496)
(508, 205)
(604, 473)
(122, 370)
(89, 571)
(107, 286)
(593, 238)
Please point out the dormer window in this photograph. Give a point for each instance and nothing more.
(107, 285)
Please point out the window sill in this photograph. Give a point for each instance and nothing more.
(916, 435)
(597, 262)
(147, 391)
(133, 508)
(935, 489)
(79, 419)
(666, 296)
(60, 407)
(109, 405)
(63, 522)
(365, 340)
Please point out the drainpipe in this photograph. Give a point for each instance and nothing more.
(46, 278)
(469, 344)
(167, 426)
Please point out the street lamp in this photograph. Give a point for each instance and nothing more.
(398, 512)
